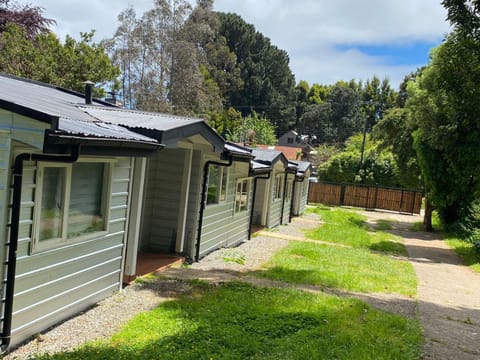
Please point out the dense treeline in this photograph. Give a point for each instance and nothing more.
(192, 60)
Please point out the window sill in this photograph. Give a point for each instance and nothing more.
(57, 244)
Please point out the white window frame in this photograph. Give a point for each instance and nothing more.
(237, 208)
(278, 187)
(222, 183)
(47, 244)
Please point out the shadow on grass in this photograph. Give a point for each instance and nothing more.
(298, 276)
(240, 321)
(389, 248)
(354, 220)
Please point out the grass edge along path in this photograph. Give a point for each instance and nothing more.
(235, 320)
(349, 269)
(361, 262)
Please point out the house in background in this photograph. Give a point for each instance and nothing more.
(273, 195)
(291, 153)
(65, 223)
(303, 142)
(290, 138)
(300, 187)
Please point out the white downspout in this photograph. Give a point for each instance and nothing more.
(184, 197)
(135, 215)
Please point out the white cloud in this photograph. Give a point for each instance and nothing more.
(309, 30)
(73, 16)
(342, 21)
(331, 65)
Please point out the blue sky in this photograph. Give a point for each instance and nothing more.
(396, 54)
(326, 40)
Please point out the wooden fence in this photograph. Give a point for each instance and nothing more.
(368, 197)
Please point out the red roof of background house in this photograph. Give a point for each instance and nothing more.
(291, 153)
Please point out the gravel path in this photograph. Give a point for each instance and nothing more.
(448, 292)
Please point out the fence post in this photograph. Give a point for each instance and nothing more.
(368, 199)
(342, 194)
(376, 196)
(401, 201)
(414, 199)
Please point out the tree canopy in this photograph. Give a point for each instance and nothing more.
(46, 59)
(28, 17)
(445, 107)
(253, 130)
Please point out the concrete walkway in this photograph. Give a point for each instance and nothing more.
(448, 299)
(448, 292)
(448, 304)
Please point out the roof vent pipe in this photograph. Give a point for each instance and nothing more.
(88, 92)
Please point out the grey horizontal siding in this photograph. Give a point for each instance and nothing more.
(164, 179)
(194, 196)
(261, 196)
(5, 143)
(57, 283)
(23, 129)
(221, 227)
(288, 199)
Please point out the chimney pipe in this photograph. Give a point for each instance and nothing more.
(88, 92)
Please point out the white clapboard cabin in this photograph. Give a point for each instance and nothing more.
(273, 195)
(198, 190)
(67, 195)
(173, 181)
(300, 187)
(226, 206)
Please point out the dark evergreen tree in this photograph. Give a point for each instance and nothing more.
(268, 84)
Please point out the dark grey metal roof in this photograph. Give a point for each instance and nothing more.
(138, 119)
(238, 150)
(49, 103)
(43, 98)
(257, 167)
(98, 129)
(269, 157)
(168, 129)
(302, 166)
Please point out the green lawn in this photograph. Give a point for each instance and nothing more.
(349, 228)
(465, 249)
(364, 264)
(353, 269)
(240, 321)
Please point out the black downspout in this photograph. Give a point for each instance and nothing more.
(283, 200)
(14, 228)
(203, 200)
(292, 203)
(253, 203)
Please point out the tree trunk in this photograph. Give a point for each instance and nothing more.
(427, 219)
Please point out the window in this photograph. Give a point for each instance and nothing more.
(289, 140)
(217, 184)
(72, 202)
(288, 190)
(278, 187)
(241, 195)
